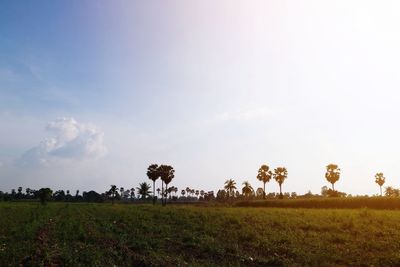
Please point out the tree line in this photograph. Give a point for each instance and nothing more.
(280, 174)
(166, 173)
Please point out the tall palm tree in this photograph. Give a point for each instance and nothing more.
(247, 189)
(167, 173)
(153, 174)
(380, 180)
(183, 192)
(112, 193)
(280, 175)
(332, 174)
(264, 175)
(230, 187)
(144, 190)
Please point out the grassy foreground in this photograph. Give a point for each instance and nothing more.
(143, 235)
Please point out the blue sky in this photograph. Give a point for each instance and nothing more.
(98, 90)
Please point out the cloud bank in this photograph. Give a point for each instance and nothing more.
(69, 140)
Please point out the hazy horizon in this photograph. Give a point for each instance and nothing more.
(92, 92)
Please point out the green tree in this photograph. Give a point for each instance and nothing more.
(247, 189)
(264, 175)
(389, 191)
(230, 187)
(153, 173)
(259, 192)
(20, 192)
(144, 190)
(332, 174)
(44, 195)
(380, 180)
(167, 173)
(113, 193)
(280, 174)
(132, 193)
(28, 192)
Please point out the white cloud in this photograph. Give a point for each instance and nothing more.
(70, 141)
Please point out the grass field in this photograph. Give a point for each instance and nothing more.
(385, 203)
(142, 235)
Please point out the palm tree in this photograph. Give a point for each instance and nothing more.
(197, 193)
(230, 187)
(167, 173)
(332, 174)
(264, 175)
(112, 193)
(169, 191)
(144, 190)
(172, 190)
(188, 191)
(380, 180)
(247, 190)
(183, 192)
(28, 192)
(280, 175)
(132, 193)
(19, 195)
(153, 174)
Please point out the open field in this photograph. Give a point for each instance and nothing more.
(385, 203)
(143, 235)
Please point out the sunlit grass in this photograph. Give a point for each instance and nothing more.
(124, 235)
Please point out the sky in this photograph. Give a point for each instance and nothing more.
(93, 92)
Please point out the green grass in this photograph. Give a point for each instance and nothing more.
(141, 235)
(326, 203)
